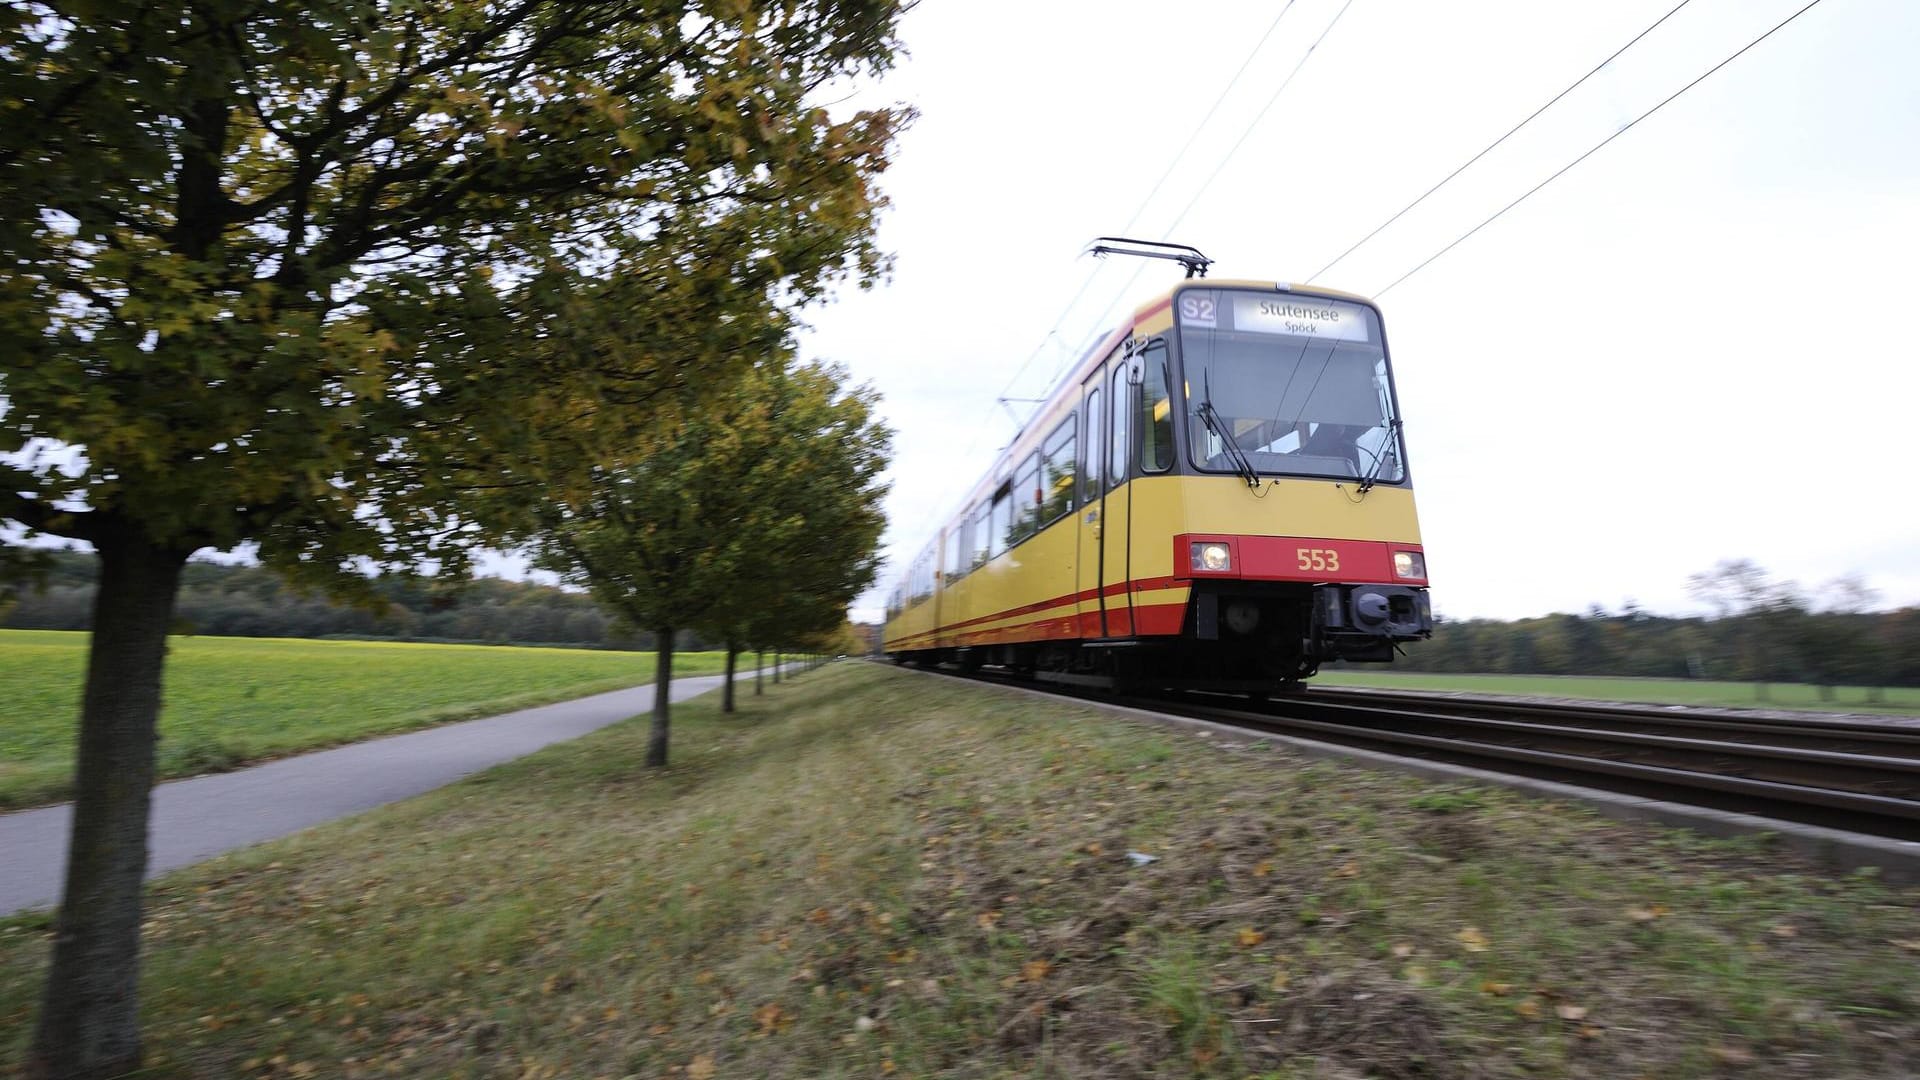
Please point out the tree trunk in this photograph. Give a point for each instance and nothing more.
(89, 1022)
(726, 688)
(662, 681)
(759, 668)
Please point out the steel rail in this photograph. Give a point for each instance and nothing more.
(1814, 732)
(1784, 778)
(1842, 770)
(1855, 811)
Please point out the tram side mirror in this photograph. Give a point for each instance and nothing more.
(1137, 363)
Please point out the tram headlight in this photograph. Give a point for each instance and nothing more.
(1212, 556)
(1409, 564)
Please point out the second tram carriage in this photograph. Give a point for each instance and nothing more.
(1216, 496)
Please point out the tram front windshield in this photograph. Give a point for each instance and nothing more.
(1297, 384)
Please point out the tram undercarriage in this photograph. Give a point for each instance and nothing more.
(1238, 637)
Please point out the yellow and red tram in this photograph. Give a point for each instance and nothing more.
(1217, 495)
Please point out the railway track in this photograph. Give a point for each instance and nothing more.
(1858, 777)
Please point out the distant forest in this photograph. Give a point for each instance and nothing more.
(247, 601)
(1765, 631)
(1804, 646)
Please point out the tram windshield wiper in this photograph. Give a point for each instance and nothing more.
(1388, 447)
(1210, 416)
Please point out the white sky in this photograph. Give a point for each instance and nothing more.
(1694, 346)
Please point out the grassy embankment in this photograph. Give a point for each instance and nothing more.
(1896, 700)
(235, 700)
(872, 872)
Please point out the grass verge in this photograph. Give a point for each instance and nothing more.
(869, 872)
(1703, 693)
(231, 701)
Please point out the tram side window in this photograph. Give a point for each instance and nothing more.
(1001, 528)
(1057, 473)
(982, 542)
(1090, 461)
(1156, 416)
(1026, 499)
(950, 556)
(1117, 460)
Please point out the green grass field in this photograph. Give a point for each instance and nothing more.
(234, 700)
(1895, 700)
(872, 873)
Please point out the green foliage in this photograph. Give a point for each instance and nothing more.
(316, 275)
(754, 520)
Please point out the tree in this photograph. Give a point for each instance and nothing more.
(340, 280)
(811, 517)
(1765, 616)
(1839, 640)
(21, 568)
(701, 532)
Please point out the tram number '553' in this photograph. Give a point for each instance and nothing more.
(1318, 559)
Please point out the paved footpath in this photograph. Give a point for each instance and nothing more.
(205, 816)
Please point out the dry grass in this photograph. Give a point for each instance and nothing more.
(870, 872)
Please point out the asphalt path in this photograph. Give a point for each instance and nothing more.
(204, 816)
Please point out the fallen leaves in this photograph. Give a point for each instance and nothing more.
(1731, 1055)
(1248, 937)
(1035, 970)
(702, 1068)
(772, 1018)
(1472, 939)
(1648, 913)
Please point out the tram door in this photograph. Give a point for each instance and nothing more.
(1090, 474)
(1116, 574)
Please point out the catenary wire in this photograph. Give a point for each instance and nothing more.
(1172, 163)
(1496, 143)
(1121, 295)
(1462, 238)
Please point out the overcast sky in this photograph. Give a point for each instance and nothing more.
(1696, 345)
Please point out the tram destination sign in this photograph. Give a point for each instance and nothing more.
(1299, 316)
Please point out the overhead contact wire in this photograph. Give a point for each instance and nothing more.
(1172, 164)
(1597, 146)
(1217, 169)
(1358, 244)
